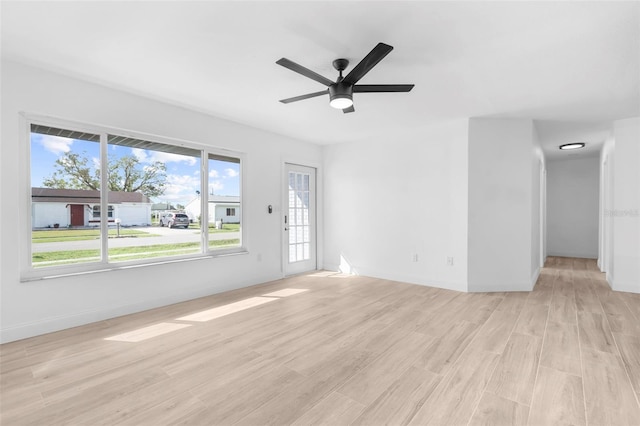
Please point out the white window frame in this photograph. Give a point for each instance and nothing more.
(29, 273)
(110, 211)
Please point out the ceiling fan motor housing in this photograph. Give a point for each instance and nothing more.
(340, 90)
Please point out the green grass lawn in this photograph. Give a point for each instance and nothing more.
(226, 227)
(57, 236)
(125, 253)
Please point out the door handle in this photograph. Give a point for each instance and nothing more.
(286, 228)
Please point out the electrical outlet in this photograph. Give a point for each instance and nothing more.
(450, 261)
(414, 257)
(259, 257)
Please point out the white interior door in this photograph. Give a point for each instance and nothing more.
(299, 219)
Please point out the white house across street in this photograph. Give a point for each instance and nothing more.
(53, 208)
(221, 207)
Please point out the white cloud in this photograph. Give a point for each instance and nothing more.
(145, 156)
(213, 174)
(231, 172)
(56, 144)
(180, 188)
(140, 154)
(216, 185)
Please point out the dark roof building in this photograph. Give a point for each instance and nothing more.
(84, 196)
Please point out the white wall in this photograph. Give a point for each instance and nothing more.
(572, 208)
(47, 214)
(393, 199)
(221, 212)
(132, 214)
(501, 204)
(538, 206)
(605, 258)
(30, 308)
(626, 206)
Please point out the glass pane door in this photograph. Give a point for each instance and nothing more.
(300, 218)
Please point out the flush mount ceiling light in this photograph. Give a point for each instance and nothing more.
(575, 145)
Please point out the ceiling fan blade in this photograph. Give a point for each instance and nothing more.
(369, 61)
(375, 88)
(304, 71)
(303, 97)
(349, 109)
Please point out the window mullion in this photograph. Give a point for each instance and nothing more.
(204, 201)
(104, 199)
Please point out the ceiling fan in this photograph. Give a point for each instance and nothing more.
(341, 91)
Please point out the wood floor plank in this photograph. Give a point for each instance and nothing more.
(620, 317)
(513, 302)
(563, 309)
(402, 400)
(370, 382)
(116, 385)
(515, 374)
(540, 296)
(299, 399)
(532, 319)
(609, 395)
(336, 409)
(496, 411)
(309, 362)
(173, 411)
(494, 333)
(560, 349)
(454, 400)
(595, 332)
(478, 308)
(633, 303)
(557, 399)
(587, 301)
(229, 404)
(630, 352)
(442, 353)
(437, 322)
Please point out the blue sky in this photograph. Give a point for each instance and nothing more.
(183, 172)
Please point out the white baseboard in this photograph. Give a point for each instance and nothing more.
(493, 288)
(534, 277)
(628, 287)
(573, 254)
(405, 278)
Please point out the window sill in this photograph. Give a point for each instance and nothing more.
(28, 277)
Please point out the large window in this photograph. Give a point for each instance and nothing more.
(143, 179)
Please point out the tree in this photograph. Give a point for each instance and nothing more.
(125, 174)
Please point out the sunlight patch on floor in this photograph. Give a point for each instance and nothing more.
(286, 292)
(231, 308)
(203, 316)
(147, 332)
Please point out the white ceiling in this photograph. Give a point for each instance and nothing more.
(573, 66)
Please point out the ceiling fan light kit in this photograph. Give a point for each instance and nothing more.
(341, 91)
(340, 95)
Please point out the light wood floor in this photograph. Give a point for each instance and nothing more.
(349, 350)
